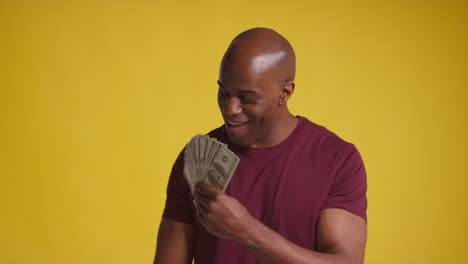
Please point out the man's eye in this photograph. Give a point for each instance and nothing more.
(248, 100)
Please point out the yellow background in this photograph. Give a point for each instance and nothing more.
(97, 99)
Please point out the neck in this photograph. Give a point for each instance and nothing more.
(283, 128)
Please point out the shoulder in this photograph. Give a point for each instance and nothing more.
(219, 133)
(320, 138)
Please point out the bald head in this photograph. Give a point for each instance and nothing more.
(256, 79)
(257, 51)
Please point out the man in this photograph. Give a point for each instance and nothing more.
(299, 192)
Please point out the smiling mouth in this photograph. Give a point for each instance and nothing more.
(236, 123)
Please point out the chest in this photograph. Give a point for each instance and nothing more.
(283, 191)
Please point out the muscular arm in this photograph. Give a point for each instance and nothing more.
(341, 236)
(175, 243)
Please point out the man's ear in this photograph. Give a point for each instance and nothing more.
(286, 92)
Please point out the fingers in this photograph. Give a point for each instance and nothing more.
(206, 200)
(207, 190)
(201, 217)
(201, 203)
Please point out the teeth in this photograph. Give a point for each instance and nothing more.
(236, 124)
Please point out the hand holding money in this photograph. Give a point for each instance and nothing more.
(209, 161)
(222, 215)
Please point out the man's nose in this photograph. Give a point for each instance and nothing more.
(232, 106)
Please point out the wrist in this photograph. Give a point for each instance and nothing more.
(250, 232)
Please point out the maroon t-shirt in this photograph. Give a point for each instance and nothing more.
(285, 187)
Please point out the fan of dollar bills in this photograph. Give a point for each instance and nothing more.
(210, 161)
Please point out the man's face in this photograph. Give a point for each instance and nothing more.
(249, 106)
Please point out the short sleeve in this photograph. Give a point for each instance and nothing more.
(179, 198)
(349, 186)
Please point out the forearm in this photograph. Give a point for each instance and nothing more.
(270, 247)
(341, 235)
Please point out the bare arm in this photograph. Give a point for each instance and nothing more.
(175, 243)
(341, 236)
